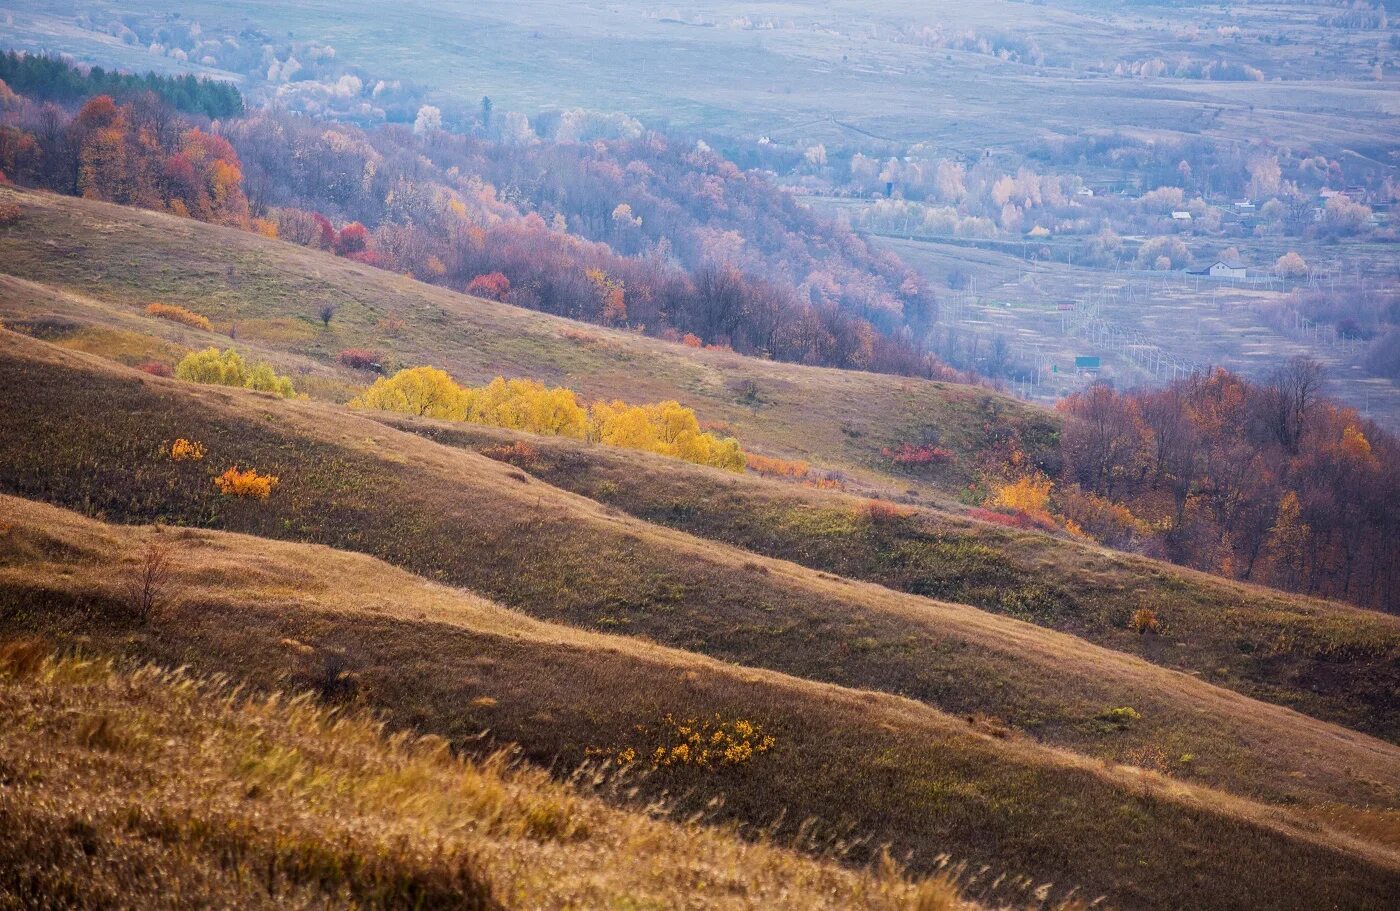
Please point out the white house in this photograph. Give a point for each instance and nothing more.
(1181, 216)
(1222, 269)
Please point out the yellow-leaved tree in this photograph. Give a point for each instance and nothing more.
(527, 405)
(425, 391)
(228, 368)
(666, 428)
(1029, 494)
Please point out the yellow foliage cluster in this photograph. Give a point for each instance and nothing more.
(178, 315)
(1029, 494)
(776, 468)
(235, 483)
(183, 450)
(1355, 444)
(526, 405)
(667, 428)
(229, 369)
(704, 743)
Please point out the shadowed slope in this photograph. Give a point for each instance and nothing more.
(1328, 659)
(877, 766)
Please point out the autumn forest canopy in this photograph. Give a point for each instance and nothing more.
(634, 231)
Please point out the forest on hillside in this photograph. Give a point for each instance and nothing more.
(612, 226)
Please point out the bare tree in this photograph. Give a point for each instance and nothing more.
(149, 588)
(326, 312)
(1291, 391)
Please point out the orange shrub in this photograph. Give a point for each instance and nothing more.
(703, 743)
(690, 340)
(909, 455)
(9, 212)
(776, 468)
(1145, 621)
(822, 483)
(178, 315)
(183, 450)
(156, 368)
(235, 483)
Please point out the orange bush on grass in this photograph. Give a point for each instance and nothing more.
(1145, 621)
(822, 483)
(235, 483)
(776, 468)
(691, 340)
(9, 212)
(183, 450)
(156, 368)
(178, 315)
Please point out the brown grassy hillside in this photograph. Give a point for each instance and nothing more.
(876, 766)
(274, 803)
(1327, 659)
(268, 294)
(90, 436)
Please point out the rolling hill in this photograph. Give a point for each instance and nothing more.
(268, 295)
(870, 767)
(929, 681)
(271, 802)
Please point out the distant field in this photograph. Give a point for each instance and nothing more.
(1051, 312)
(842, 73)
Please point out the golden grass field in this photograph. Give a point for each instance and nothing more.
(945, 687)
(272, 802)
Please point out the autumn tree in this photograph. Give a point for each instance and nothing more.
(423, 391)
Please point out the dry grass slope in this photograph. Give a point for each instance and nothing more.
(273, 802)
(874, 767)
(1327, 659)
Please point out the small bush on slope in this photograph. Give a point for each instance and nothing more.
(178, 315)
